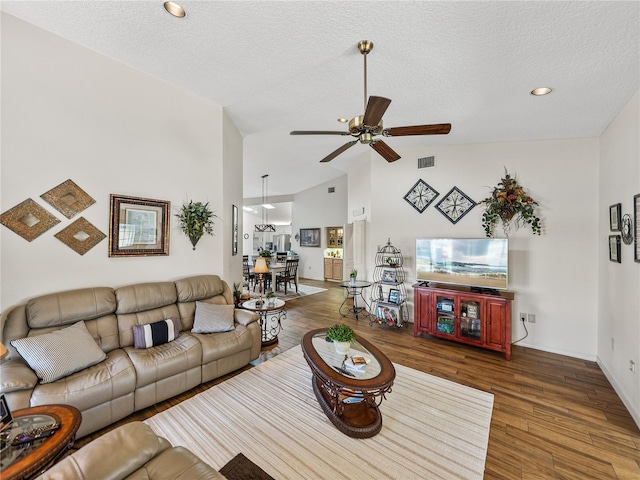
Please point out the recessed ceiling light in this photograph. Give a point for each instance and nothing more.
(540, 91)
(343, 120)
(174, 9)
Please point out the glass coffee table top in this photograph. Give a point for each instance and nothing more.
(343, 364)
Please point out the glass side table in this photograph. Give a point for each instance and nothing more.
(271, 314)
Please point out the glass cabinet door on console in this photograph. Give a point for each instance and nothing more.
(470, 320)
(445, 318)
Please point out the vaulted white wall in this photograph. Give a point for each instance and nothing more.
(619, 283)
(68, 112)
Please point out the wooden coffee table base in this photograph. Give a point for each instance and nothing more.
(358, 420)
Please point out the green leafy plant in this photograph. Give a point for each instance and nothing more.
(510, 204)
(263, 252)
(237, 292)
(354, 273)
(341, 333)
(196, 219)
(270, 294)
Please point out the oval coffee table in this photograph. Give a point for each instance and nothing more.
(349, 396)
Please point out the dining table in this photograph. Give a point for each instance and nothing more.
(274, 268)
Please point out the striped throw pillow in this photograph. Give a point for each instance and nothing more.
(157, 333)
(58, 354)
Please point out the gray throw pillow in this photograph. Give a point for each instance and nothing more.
(211, 318)
(58, 354)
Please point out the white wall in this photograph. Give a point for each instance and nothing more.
(68, 112)
(619, 283)
(316, 208)
(554, 276)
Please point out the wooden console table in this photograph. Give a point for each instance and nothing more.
(30, 459)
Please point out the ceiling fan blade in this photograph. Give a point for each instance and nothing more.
(435, 129)
(318, 132)
(376, 106)
(385, 151)
(337, 152)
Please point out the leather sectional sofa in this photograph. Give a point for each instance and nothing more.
(128, 379)
(132, 451)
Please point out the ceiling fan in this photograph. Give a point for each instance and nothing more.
(366, 127)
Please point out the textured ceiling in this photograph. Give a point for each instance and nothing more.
(293, 65)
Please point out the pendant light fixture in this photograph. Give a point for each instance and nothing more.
(266, 206)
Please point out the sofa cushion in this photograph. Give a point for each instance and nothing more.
(57, 354)
(107, 381)
(65, 308)
(164, 361)
(211, 318)
(156, 333)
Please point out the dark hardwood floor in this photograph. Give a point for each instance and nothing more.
(554, 417)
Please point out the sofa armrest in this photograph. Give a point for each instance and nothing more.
(115, 455)
(15, 375)
(245, 317)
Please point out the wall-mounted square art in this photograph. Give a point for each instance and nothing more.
(81, 236)
(68, 198)
(421, 195)
(28, 219)
(455, 205)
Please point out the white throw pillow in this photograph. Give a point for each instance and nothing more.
(58, 354)
(211, 318)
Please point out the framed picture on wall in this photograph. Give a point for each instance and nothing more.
(234, 233)
(614, 217)
(138, 227)
(309, 237)
(614, 248)
(636, 226)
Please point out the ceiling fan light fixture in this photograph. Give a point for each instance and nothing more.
(343, 120)
(174, 9)
(540, 91)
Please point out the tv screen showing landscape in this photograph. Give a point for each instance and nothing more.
(475, 262)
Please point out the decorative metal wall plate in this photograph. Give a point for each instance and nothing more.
(455, 205)
(81, 236)
(421, 195)
(28, 219)
(68, 198)
(627, 229)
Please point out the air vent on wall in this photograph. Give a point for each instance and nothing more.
(427, 162)
(332, 189)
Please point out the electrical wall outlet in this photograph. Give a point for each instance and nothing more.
(523, 317)
(531, 317)
(632, 366)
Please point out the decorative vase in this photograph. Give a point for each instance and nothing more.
(352, 280)
(342, 347)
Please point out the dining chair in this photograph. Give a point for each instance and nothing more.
(288, 275)
(248, 277)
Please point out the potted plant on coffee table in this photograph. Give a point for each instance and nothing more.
(353, 276)
(342, 336)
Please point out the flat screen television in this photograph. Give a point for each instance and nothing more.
(475, 262)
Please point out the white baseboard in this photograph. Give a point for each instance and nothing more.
(566, 353)
(635, 414)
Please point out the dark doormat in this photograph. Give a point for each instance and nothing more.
(241, 468)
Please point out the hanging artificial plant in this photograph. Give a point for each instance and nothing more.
(196, 219)
(511, 205)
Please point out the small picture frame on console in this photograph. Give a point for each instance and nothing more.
(388, 276)
(394, 296)
(5, 413)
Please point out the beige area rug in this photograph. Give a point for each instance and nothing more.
(303, 290)
(432, 428)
